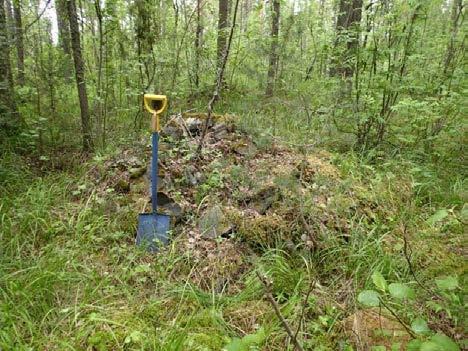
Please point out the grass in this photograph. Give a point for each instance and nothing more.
(72, 279)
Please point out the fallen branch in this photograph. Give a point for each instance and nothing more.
(274, 304)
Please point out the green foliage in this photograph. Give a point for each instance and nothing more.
(213, 182)
(439, 342)
(379, 281)
(447, 283)
(70, 277)
(369, 298)
(247, 343)
(419, 326)
(401, 291)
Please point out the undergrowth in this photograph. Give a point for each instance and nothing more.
(72, 279)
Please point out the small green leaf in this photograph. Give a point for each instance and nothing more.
(437, 217)
(447, 283)
(464, 213)
(369, 298)
(401, 291)
(246, 342)
(414, 345)
(429, 346)
(445, 343)
(234, 345)
(419, 326)
(378, 348)
(379, 281)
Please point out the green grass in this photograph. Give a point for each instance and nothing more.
(72, 279)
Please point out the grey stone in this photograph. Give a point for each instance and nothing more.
(213, 223)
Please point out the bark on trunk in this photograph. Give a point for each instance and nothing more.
(9, 117)
(457, 8)
(198, 38)
(19, 41)
(273, 65)
(80, 76)
(63, 26)
(347, 35)
(222, 30)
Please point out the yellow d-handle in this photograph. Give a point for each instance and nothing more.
(155, 104)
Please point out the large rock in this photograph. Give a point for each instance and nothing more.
(213, 223)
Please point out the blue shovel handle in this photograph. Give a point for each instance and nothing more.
(154, 171)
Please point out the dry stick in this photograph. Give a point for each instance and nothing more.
(219, 81)
(305, 302)
(309, 230)
(410, 332)
(407, 252)
(275, 306)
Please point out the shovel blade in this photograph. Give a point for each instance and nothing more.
(152, 230)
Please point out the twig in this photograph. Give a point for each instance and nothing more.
(407, 252)
(309, 230)
(305, 302)
(219, 81)
(38, 17)
(410, 332)
(276, 308)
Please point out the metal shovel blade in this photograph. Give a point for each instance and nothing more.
(152, 230)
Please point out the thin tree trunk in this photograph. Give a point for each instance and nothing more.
(219, 83)
(9, 117)
(457, 8)
(198, 39)
(99, 72)
(10, 20)
(63, 26)
(222, 27)
(19, 41)
(273, 65)
(80, 76)
(349, 18)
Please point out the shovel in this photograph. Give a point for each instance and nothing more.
(153, 227)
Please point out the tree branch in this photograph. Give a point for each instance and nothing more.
(38, 17)
(274, 304)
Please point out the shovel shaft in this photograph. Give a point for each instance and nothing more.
(154, 171)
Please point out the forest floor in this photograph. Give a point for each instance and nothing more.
(354, 259)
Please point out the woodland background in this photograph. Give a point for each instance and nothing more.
(377, 86)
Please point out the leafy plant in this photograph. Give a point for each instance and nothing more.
(395, 294)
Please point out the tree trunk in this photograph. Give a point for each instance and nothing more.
(222, 30)
(457, 9)
(9, 117)
(80, 76)
(19, 40)
(349, 18)
(63, 25)
(198, 38)
(273, 66)
(99, 94)
(10, 20)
